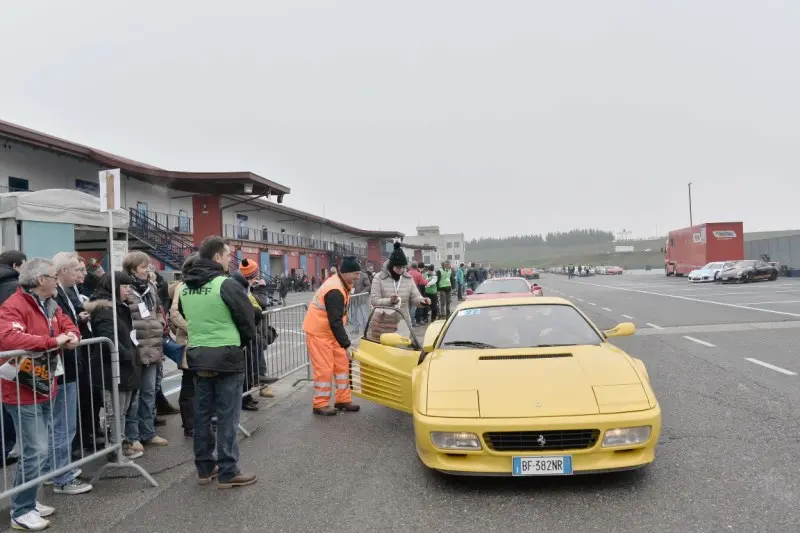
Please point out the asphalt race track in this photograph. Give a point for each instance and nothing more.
(724, 362)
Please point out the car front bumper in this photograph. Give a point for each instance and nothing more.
(487, 462)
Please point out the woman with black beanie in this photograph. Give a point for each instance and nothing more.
(394, 286)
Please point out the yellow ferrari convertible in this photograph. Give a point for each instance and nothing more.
(523, 386)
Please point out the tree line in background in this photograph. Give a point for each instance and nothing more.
(575, 237)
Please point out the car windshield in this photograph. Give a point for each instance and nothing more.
(743, 264)
(498, 286)
(712, 266)
(519, 326)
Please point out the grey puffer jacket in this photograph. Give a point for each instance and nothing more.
(383, 287)
(150, 330)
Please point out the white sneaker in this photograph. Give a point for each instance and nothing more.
(30, 521)
(44, 510)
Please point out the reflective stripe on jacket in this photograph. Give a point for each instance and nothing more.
(316, 321)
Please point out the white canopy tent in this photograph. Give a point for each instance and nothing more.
(59, 206)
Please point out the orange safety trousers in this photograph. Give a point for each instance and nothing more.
(331, 367)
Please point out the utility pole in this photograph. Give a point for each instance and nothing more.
(690, 204)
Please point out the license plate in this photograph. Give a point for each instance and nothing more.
(551, 465)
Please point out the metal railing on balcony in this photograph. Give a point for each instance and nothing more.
(179, 223)
(167, 245)
(239, 232)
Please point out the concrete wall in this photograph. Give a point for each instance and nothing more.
(48, 170)
(785, 250)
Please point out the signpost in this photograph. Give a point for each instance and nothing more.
(110, 199)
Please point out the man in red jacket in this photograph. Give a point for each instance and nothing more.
(31, 320)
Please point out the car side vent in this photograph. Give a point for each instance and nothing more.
(532, 356)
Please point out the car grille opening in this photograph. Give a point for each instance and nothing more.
(530, 356)
(532, 441)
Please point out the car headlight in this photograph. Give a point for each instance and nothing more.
(455, 441)
(626, 436)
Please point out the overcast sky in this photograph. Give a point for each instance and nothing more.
(488, 117)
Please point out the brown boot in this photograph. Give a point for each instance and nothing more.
(325, 411)
(266, 392)
(350, 407)
(240, 480)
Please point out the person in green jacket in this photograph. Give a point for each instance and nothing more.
(432, 290)
(220, 323)
(461, 275)
(447, 280)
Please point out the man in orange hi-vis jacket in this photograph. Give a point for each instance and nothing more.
(328, 344)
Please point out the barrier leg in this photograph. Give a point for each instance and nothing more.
(116, 429)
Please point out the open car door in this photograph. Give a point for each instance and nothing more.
(384, 360)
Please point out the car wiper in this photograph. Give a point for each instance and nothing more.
(553, 345)
(473, 344)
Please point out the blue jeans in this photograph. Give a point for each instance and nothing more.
(221, 396)
(65, 424)
(32, 423)
(140, 422)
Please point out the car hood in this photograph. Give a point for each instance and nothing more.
(533, 382)
(491, 296)
(704, 271)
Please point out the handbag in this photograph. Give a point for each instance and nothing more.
(172, 350)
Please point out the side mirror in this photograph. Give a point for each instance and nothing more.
(431, 334)
(395, 340)
(625, 329)
(470, 292)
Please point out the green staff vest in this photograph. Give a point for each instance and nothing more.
(444, 280)
(431, 290)
(210, 322)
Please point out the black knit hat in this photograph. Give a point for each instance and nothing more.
(349, 264)
(398, 258)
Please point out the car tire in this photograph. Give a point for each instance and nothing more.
(748, 278)
(774, 276)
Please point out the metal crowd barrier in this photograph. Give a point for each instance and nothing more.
(279, 350)
(357, 315)
(62, 432)
(288, 352)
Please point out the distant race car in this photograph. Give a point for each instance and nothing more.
(747, 271)
(501, 288)
(709, 272)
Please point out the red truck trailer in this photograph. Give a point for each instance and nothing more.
(691, 248)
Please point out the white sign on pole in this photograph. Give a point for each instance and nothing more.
(119, 249)
(110, 190)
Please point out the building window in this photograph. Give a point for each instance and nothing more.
(457, 245)
(88, 187)
(449, 257)
(449, 245)
(17, 184)
(458, 257)
(427, 260)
